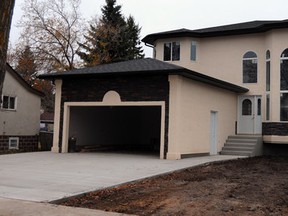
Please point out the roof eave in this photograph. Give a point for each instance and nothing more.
(214, 82)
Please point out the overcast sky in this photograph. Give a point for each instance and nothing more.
(163, 15)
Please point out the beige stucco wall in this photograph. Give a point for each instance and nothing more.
(25, 120)
(190, 107)
(221, 57)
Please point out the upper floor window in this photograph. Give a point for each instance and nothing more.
(250, 67)
(172, 51)
(193, 51)
(268, 66)
(8, 102)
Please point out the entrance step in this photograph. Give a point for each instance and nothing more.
(244, 145)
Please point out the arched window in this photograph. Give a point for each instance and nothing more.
(250, 67)
(268, 75)
(284, 86)
(284, 69)
(268, 71)
(247, 107)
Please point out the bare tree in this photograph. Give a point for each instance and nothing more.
(52, 29)
(6, 12)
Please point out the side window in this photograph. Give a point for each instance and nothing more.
(8, 102)
(167, 51)
(193, 51)
(172, 51)
(247, 107)
(259, 107)
(250, 63)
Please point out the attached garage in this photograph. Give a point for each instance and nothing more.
(116, 128)
(142, 105)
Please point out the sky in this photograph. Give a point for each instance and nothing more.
(164, 15)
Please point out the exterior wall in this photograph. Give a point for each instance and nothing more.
(191, 103)
(25, 120)
(221, 57)
(130, 89)
(26, 143)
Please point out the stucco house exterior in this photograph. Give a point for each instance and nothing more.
(19, 114)
(201, 87)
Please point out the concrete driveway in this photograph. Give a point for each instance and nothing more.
(46, 176)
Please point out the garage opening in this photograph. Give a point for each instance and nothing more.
(116, 128)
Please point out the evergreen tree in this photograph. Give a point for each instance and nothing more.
(26, 65)
(112, 39)
(135, 50)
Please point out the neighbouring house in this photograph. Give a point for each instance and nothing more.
(19, 114)
(47, 121)
(203, 91)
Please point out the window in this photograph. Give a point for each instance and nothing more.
(259, 107)
(172, 51)
(13, 142)
(250, 67)
(284, 107)
(246, 107)
(8, 102)
(284, 70)
(193, 51)
(267, 107)
(268, 66)
(284, 86)
(268, 81)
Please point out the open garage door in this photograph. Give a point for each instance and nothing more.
(116, 128)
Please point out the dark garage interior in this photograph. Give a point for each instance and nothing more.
(115, 128)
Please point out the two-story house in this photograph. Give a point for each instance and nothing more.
(253, 55)
(201, 87)
(19, 114)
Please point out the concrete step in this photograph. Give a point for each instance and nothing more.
(242, 140)
(240, 145)
(229, 148)
(242, 153)
(228, 143)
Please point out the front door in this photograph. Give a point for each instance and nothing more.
(249, 115)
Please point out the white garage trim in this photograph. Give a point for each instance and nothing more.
(57, 111)
(68, 105)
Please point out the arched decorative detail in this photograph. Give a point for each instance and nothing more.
(112, 97)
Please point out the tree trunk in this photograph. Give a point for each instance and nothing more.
(6, 12)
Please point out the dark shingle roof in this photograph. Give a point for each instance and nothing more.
(234, 29)
(146, 66)
(126, 67)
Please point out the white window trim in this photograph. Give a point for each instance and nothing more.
(8, 109)
(12, 139)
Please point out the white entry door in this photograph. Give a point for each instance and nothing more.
(213, 133)
(249, 115)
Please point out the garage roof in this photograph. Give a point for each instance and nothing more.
(225, 30)
(147, 66)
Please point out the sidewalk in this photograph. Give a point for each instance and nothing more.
(9, 207)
